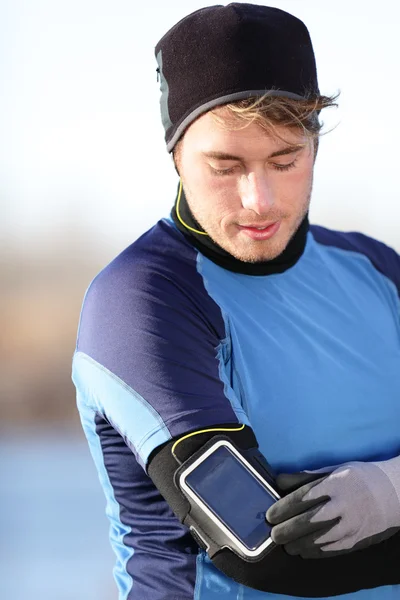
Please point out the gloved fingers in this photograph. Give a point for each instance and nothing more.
(341, 534)
(326, 486)
(308, 546)
(288, 482)
(341, 538)
(328, 511)
(344, 543)
(317, 551)
(293, 504)
(298, 527)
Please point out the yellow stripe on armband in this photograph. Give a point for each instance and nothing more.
(203, 431)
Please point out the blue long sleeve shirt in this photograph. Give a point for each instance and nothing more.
(170, 342)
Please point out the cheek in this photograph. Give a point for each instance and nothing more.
(227, 202)
(297, 186)
(303, 179)
(216, 195)
(212, 204)
(222, 207)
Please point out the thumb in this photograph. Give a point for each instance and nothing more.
(287, 482)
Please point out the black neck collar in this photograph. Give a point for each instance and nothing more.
(218, 255)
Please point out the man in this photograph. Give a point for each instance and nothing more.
(236, 318)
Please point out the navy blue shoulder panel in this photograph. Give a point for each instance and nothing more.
(148, 319)
(384, 258)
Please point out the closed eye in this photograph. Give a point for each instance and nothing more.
(286, 167)
(276, 166)
(223, 171)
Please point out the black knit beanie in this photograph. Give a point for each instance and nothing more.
(221, 54)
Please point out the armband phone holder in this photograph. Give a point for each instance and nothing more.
(229, 491)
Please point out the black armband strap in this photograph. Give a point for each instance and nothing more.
(165, 460)
(242, 467)
(276, 571)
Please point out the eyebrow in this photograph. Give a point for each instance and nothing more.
(282, 152)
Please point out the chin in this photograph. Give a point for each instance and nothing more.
(257, 258)
(253, 253)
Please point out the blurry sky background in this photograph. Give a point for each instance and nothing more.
(83, 172)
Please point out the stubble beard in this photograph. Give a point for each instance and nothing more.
(248, 250)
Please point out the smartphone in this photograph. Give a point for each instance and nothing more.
(233, 494)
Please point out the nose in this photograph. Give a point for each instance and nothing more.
(256, 193)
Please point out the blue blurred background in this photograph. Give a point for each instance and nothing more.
(83, 172)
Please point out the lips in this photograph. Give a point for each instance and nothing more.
(260, 232)
(258, 225)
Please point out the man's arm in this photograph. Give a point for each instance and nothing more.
(149, 368)
(280, 571)
(155, 556)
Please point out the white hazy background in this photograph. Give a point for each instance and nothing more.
(83, 172)
(81, 137)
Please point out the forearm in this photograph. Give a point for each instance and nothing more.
(278, 572)
(372, 567)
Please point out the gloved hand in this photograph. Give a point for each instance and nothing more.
(356, 505)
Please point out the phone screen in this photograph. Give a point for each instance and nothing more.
(234, 495)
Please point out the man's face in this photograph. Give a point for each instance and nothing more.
(248, 190)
